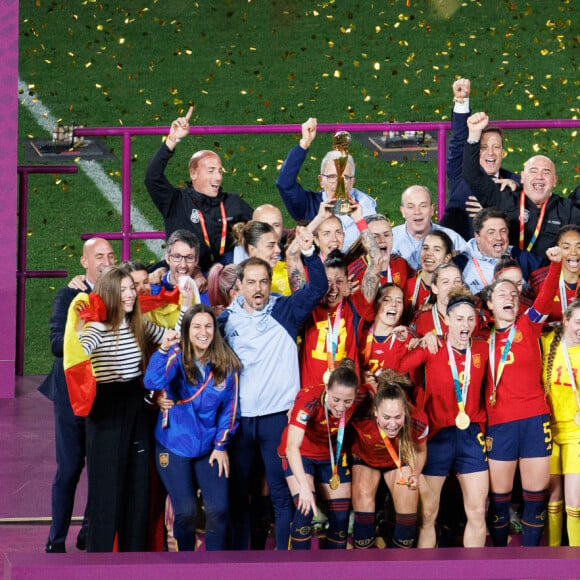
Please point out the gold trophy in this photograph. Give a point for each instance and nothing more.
(341, 142)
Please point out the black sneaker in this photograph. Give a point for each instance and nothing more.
(54, 548)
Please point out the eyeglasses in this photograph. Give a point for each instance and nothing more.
(334, 177)
(176, 258)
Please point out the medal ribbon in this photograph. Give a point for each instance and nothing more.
(563, 297)
(369, 344)
(570, 372)
(436, 321)
(224, 229)
(460, 391)
(339, 438)
(504, 354)
(416, 291)
(479, 271)
(332, 336)
(396, 458)
(522, 223)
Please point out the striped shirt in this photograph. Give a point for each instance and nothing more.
(115, 354)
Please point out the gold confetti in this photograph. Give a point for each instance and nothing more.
(377, 66)
(336, 74)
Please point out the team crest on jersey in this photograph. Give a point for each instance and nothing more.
(489, 443)
(303, 417)
(163, 459)
(519, 336)
(194, 217)
(476, 361)
(220, 387)
(397, 278)
(526, 215)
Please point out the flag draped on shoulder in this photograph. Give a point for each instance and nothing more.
(78, 371)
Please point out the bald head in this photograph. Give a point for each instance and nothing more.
(270, 214)
(539, 178)
(417, 209)
(97, 255)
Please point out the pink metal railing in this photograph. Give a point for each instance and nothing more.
(126, 235)
(22, 274)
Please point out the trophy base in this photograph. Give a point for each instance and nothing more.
(341, 207)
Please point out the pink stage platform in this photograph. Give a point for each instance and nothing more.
(26, 471)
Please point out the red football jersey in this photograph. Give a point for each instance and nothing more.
(308, 414)
(368, 444)
(314, 350)
(440, 401)
(520, 394)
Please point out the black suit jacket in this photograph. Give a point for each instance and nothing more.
(54, 386)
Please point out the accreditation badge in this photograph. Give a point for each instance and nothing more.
(163, 459)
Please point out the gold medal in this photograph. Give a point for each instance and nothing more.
(492, 399)
(462, 420)
(577, 418)
(326, 376)
(334, 481)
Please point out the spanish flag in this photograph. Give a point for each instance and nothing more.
(78, 371)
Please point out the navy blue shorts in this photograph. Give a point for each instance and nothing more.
(462, 451)
(521, 438)
(321, 470)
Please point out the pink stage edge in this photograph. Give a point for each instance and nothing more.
(443, 563)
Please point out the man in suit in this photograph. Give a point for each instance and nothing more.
(69, 431)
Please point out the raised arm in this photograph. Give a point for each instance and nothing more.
(454, 165)
(161, 191)
(301, 203)
(372, 276)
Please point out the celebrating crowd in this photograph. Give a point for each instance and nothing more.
(261, 374)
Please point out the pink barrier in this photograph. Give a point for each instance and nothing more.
(440, 127)
(22, 273)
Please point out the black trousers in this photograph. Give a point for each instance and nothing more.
(118, 450)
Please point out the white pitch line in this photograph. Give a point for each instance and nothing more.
(109, 189)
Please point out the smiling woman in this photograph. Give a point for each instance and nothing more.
(312, 454)
(199, 375)
(118, 449)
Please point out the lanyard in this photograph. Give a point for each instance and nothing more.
(224, 229)
(332, 336)
(416, 291)
(522, 223)
(436, 321)
(396, 458)
(563, 297)
(479, 271)
(504, 354)
(165, 417)
(570, 372)
(389, 275)
(339, 438)
(369, 344)
(460, 391)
